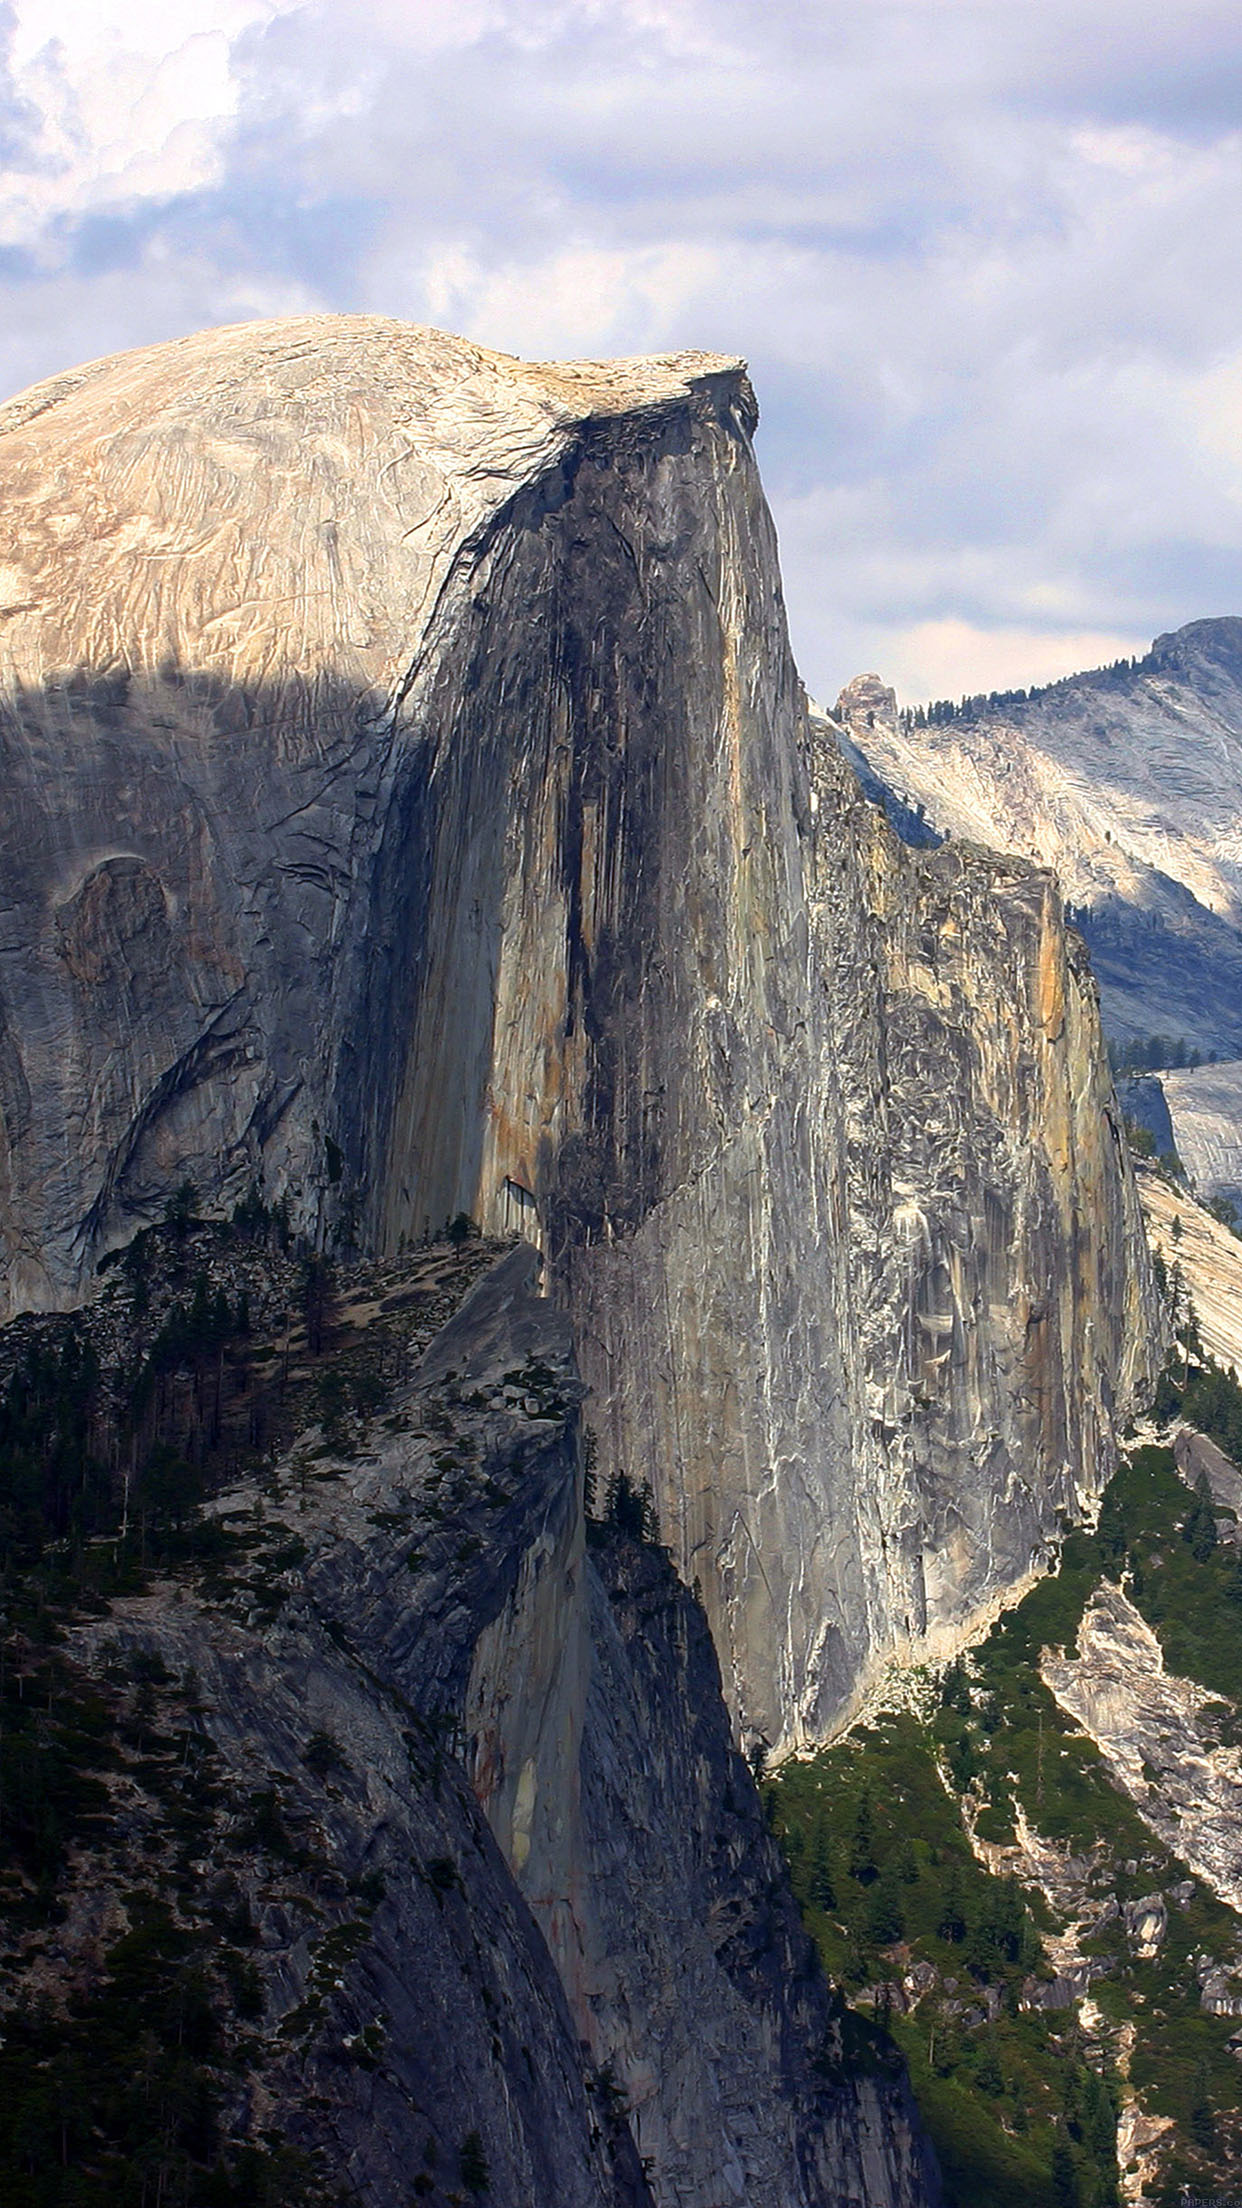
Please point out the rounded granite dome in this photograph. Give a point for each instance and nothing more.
(276, 499)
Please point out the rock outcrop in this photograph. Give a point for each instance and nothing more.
(453, 1747)
(1127, 781)
(996, 1272)
(1149, 1727)
(1196, 1457)
(412, 808)
(1208, 1257)
(1204, 1104)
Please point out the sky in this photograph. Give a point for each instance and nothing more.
(985, 260)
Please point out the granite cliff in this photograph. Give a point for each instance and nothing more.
(1152, 1732)
(412, 809)
(1196, 1112)
(407, 1853)
(1127, 781)
(1208, 1257)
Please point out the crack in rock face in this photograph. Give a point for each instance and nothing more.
(413, 810)
(1128, 781)
(1148, 1727)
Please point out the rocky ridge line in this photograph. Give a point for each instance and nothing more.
(1127, 781)
(413, 812)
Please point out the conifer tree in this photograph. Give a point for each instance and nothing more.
(862, 1841)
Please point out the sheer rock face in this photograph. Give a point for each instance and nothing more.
(533, 1765)
(1204, 1106)
(413, 805)
(1208, 1256)
(689, 1920)
(297, 622)
(999, 1290)
(1128, 782)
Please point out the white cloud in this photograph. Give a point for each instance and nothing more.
(133, 102)
(950, 659)
(1214, 407)
(584, 300)
(76, 316)
(982, 255)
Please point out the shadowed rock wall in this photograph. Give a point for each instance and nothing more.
(531, 1765)
(412, 807)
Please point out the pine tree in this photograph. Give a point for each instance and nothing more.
(989, 2075)
(475, 2174)
(316, 1300)
(955, 1690)
(1099, 2119)
(182, 1208)
(460, 1229)
(1064, 2176)
(952, 1924)
(1202, 2110)
(885, 1917)
(1111, 1533)
(1199, 1524)
(821, 1886)
(862, 1842)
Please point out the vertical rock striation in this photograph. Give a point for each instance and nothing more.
(413, 807)
(1126, 780)
(524, 1760)
(1000, 1295)
(755, 2085)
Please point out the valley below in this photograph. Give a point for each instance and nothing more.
(389, 1719)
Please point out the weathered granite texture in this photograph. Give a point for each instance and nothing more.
(999, 1290)
(1127, 781)
(410, 806)
(1208, 1257)
(1143, 1102)
(1155, 1734)
(1204, 1105)
(531, 1766)
(289, 674)
(689, 1918)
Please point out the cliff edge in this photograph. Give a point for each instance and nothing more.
(413, 810)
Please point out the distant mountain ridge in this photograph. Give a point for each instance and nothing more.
(1127, 780)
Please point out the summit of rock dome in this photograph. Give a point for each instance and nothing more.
(278, 499)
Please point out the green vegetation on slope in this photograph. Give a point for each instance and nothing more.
(113, 2081)
(1187, 1584)
(891, 1888)
(1155, 1054)
(1020, 2101)
(893, 1893)
(132, 2024)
